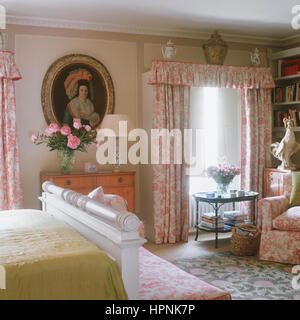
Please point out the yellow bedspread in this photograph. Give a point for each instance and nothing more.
(42, 258)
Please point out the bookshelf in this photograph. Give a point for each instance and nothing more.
(286, 94)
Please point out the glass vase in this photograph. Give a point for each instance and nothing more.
(222, 188)
(66, 161)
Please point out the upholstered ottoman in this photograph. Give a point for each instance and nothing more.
(162, 280)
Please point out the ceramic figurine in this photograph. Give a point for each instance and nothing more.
(169, 50)
(255, 57)
(287, 147)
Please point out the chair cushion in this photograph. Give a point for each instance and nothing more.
(289, 220)
(295, 195)
(97, 194)
(116, 202)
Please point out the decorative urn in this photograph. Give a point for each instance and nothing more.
(215, 49)
(169, 50)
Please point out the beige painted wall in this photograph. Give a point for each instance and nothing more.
(126, 56)
(34, 54)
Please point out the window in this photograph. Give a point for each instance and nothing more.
(215, 114)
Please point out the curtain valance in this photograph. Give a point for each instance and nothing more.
(208, 75)
(8, 68)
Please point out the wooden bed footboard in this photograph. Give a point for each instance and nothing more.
(114, 232)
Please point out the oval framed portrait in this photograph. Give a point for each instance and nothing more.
(77, 86)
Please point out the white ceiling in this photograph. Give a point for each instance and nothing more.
(265, 20)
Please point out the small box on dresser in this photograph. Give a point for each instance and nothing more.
(120, 183)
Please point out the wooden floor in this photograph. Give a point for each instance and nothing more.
(203, 246)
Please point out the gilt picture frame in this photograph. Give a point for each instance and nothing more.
(62, 84)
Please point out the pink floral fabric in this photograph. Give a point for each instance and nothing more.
(161, 280)
(172, 81)
(256, 138)
(98, 195)
(280, 246)
(116, 202)
(289, 220)
(170, 182)
(287, 185)
(10, 187)
(280, 241)
(179, 73)
(269, 209)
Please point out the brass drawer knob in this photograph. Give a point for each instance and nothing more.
(68, 182)
(120, 179)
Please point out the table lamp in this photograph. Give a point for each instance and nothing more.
(111, 121)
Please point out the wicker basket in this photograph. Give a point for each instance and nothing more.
(245, 245)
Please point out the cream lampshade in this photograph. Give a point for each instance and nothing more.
(111, 121)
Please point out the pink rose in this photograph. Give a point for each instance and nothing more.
(65, 130)
(53, 127)
(73, 141)
(33, 138)
(48, 133)
(87, 128)
(77, 123)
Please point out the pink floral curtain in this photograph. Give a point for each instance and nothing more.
(10, 182)
(172, 81)
(170, 182)
(256, 137)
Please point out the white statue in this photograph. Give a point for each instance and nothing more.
(255, 57)
(287, 147)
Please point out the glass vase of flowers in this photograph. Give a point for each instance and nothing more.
(66, 140)
(223, 174)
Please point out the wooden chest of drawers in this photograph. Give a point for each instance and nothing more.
(120, 183)
(273, 182)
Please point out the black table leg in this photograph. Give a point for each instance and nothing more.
(197, 215)
(254, 206)
(216, 230)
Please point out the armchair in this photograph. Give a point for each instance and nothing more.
(280, 227)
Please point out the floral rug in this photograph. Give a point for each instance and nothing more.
(245, 278)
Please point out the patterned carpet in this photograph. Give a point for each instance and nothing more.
(245, 278)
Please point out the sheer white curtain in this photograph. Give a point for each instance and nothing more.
(216, 115)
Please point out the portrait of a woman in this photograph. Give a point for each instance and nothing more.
(80, 106)
(77, 86)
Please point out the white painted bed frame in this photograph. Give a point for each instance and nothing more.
(114, 232)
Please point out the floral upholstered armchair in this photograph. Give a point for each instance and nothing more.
(280, 227)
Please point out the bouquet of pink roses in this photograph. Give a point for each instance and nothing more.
(66, 140)
(223, 173)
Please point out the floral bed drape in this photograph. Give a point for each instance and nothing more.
(10, 182)
(172, 81)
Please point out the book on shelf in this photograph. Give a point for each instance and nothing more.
(212, 221)
(210, 216)
(288, 67)
(294, 116)
(232, 223)
(279, 65)
(237, 218)
(211, 228)
(288, 93)
(212, 224)
(278, 118)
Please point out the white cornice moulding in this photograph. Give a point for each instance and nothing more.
(193, 34)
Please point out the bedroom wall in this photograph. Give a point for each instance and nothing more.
(126, 56)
